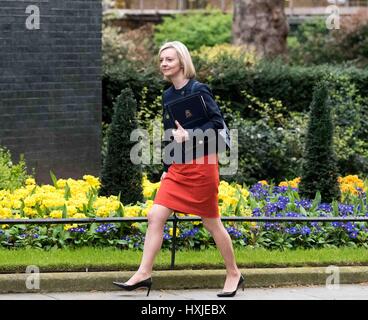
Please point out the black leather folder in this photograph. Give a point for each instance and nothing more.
(190, 111)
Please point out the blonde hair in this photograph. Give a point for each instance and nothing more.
(184, 57)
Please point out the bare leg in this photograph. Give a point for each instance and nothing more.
(157, 217)
(224, 244)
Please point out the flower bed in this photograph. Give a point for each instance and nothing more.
(79, 199)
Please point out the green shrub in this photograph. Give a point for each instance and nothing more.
(350, 112)
(12, 176)
(314, 44)
(270, 146)
(228, 77)
(195, 29)
(319, 170)
(119, 175)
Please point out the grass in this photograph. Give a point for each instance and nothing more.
(110, 259)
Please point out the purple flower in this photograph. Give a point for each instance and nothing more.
(345, 209)
(106, 228)
(353, 234)
(282, 202)
(336, 224)
(259, 191)
(305, 231)
(325, 207)
(292, 214)
(77, 230)
(305, 203)
(234, 232)
(277, 189)
(271, 208)
(292, 230)
(189, 233)
(256, 212)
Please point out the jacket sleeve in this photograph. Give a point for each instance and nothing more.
(164, 143)
(215, 117)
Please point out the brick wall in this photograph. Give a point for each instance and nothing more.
(50, 85)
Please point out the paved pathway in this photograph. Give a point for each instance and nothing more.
(344, 292)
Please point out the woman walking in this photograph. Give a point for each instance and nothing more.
(186, 187)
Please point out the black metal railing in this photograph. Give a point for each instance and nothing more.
(175, 219)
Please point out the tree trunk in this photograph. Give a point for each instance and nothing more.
(261, 24)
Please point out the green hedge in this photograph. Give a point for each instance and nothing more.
(293, 85)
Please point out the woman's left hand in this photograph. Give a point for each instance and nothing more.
(180, 134)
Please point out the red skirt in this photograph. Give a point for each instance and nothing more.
(191, 188)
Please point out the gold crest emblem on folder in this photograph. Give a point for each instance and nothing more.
(188, 114)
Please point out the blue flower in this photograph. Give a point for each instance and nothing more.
(189, 233)
(325, 207)
(271, 208)
(234, 232)
(345, 209)
(336, 224)
(282, 202)
(305, 231)
(77, 230)
(315, 224)
(257, 212)
(106, 228)
(167, 236)
(305, 203)
(292, 230)
(259, 191)
(277, 189)
(292, 214)
(353, 234)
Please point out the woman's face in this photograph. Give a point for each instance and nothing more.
(169, 63)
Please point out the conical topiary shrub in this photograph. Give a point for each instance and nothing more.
(119, 174)
(319, 168)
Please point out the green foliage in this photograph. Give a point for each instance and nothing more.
(350, 114)
(264, 86)
(12, 175)
(269, 151)
(314, 44)
(195, 29)
(119, 174)
(309, 46)
(319, 171)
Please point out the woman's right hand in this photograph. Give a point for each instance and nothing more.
(163, 175)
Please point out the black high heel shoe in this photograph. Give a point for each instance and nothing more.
(147, 283)
(232, 293)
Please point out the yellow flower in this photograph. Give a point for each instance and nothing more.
(30, 201)
(71, 210)
(92, 181)
(5, 213)
(29, 212)
(263, 182)
(79, 216)
(171, 232)
(103, 211)
(56, 214)
(135, 225)
(61, 183)
(30, 181)
(132, 211)
(69, 226)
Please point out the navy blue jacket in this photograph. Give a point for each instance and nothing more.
(215, 117)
